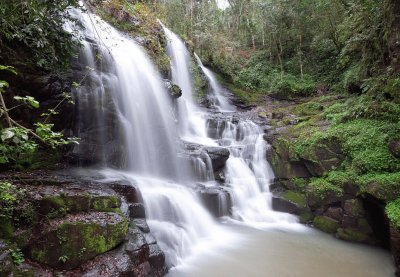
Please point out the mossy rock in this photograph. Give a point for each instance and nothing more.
(55, 206)
(354, 235)
(296, 198)
(70, 242)
(326, 224)
(175, 91)
(306, 217)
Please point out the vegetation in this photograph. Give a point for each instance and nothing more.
(35, 29)
(295, 48)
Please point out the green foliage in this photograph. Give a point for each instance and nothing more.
(29, 100)
(15, 142)
(17, 256)
(321, 187)
(365, 141)
(39, 27)
(8, 197)
(393, 212)
(54, 139)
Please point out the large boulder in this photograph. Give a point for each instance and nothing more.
(69, 242)
(218, 156)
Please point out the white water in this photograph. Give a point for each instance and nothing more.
(125, 78)
(174, 212)
(218, 99)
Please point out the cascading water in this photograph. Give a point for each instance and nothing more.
(143, 111)
(191, 117)
(248, 174)
(218, 99)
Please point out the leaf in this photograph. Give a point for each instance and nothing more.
(7, 134)
(8, 68)
(3, 84)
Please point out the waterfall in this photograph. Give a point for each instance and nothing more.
(145, 130)
(218, 99)
(248, 173)
(127, 119)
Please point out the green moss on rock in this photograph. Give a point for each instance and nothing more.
(296, 198)
(393, 212)
(326, 224)
(350, 234)
(76, 240)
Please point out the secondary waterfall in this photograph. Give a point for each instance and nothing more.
(218, 100)
(124, 102)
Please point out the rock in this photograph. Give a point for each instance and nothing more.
(136, 211)
(395, 245)
(218, 156)
(290, 202)
(128, 190)
(156, 257)
(354, 235)
(326, 224)
(217, 200)
(59, 204)
(141, 224)
(306, 217)
(69, 242)
(335, 213)
(354, 208)
(394, 147)
(137, 248)
(174, 90)
(284, 162)
(6, 261)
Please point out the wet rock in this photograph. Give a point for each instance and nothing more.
(70, 242)
(136, 211)
(218, 156)
(137, 248)
(128, 190)
(156, 257)
(326, 224)
(174, 90)
(141, 224)
(217, 200)
(289, 202)
(354, 235)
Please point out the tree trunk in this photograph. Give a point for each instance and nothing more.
(300, 56)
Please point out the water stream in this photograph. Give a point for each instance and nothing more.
(149, 130)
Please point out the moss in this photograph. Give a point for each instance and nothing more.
(326, 224)
(105, 203)
(306, 217)
(321, 188)
(72, 243)
(308, 108)
(393, 212)
(296, 198)
(59, 205)
(384, 186)
(350, 234)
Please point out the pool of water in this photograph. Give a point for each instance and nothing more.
(273, 252)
